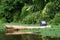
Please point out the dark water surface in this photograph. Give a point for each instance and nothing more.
(23, 37)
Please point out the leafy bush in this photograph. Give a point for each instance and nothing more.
(26, 10)
(32, 18)
(2, 32)
(2, 20)
(56, 20)
(50, 10)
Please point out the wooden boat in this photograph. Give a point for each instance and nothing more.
(15, 29)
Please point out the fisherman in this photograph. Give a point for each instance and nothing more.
(43, 23)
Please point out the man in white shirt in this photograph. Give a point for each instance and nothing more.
(43, 23)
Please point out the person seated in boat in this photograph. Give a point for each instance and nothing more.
(43, 23)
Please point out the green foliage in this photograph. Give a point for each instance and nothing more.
(56, 20)
(3, 20)
(50, 10)
(17, 10)
(21, 10)
(39, 4)
(2, 32)
(8, 10)
(27, 9)
(32, 18)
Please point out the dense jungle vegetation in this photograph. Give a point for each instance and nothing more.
(29, 12)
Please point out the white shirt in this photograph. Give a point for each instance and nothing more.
(43, 22)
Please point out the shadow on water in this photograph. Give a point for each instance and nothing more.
(23, 37)
(13, 37)
(29, 37)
